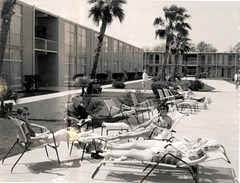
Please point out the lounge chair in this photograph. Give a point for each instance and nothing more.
(202, 101)
(118, 114)
(27, 144)
(168, 161)
(146, 106)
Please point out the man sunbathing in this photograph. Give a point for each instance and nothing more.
(155, 125)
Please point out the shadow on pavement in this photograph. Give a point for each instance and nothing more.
(52, 167)
(206, 174)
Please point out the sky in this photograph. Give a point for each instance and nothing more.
(215, 22)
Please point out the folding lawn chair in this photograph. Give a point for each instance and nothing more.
(122, 112)
(146, 106)
(202, 101)
(28, 144)
(170, 160)
(185, 163)
(170, 98)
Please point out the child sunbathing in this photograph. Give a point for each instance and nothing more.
(156, 124)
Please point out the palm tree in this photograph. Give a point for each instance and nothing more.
(104, 11)
(180, 45)
(172, 25)
(6, 16)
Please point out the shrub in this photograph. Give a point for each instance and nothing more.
(118, 84)
(77, 75)
(196, 84)
(139, 75)
(155, 78)
(93, 106)
(101, 77)
(96, 88)
(131, 75)
(118, 76)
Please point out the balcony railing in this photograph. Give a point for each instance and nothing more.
(46, 45)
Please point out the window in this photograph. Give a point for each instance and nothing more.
(81, 38)
(69, 38)
(120, 48)
(105, 65)
(70, 67)
(105, 44)
(15, 32)
(230, 59)
(12, 68)
(150, 59)
(81, 65)
(115, 45)
(170, 59)
(209, 59)
(156, 59)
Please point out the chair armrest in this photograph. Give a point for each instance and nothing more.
(114, 109)
(122, 106)
(39, 126)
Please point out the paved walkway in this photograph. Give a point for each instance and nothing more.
(220, 122)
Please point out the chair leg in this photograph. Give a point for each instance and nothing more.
(55, 147)
(84, 147)
(71, 148)
(46, 151)
(9, 151)
(26, 149)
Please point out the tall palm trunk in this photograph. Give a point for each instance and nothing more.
(175, 67)
(166, 54)
(6, 15)
(98, 49)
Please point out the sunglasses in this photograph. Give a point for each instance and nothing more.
(26, 114)
(162, 109)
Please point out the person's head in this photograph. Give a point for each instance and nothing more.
(23, 112)
(196, 154)
(76, 99)
(238, 70)
(163, 108)
(144, 70)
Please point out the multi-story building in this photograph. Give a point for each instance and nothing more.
(40, 42)
(215, 65)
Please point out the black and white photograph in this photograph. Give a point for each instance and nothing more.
(118, 91)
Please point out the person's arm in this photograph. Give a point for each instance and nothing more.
(144, 125)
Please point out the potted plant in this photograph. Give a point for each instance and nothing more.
(6, 94)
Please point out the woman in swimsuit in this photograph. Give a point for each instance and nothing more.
(155, 124)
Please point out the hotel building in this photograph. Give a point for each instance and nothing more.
(40, 42)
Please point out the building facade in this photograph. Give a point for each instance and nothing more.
(40, 42)
(214, 65)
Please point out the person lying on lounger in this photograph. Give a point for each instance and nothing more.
(155, 124)
(185, 145)
(153, 150)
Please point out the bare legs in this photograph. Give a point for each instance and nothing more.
(140, 145)
(142, 155)
(141, 132)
